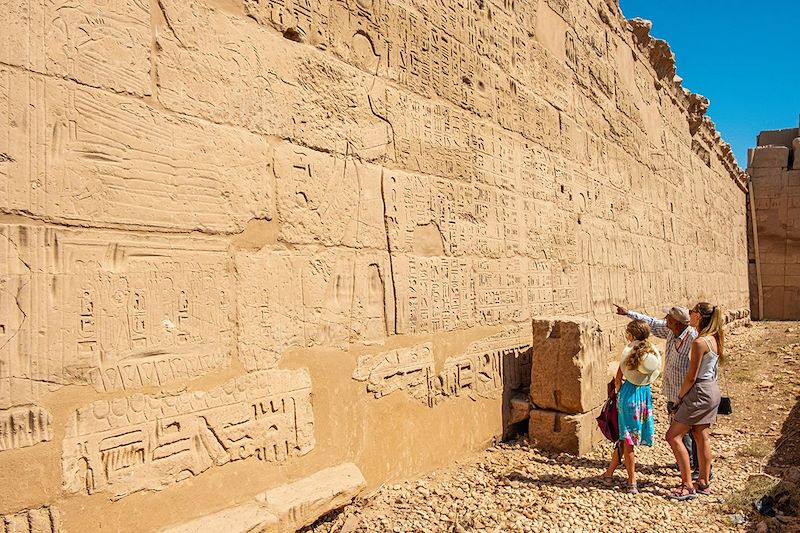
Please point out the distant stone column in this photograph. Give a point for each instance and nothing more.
(774, 168)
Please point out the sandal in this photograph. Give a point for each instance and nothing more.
(631, 488)
(700, 488)
(683, 493)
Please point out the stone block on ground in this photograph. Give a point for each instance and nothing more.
(286, 508)
(569, 369)
(520, 408)
(300, 503)
(559, 432)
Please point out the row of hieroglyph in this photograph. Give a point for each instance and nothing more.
(190, 189)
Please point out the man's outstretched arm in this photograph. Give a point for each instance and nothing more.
(658, 326)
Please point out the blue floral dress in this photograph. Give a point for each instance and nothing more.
(635, 406)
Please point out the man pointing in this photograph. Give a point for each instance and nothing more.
(675, 328)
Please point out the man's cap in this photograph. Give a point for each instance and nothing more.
(679, 313)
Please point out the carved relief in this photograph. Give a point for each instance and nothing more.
(24, 426)
(250, 72)
(148, 442)
(42, 520)
(82, 155)
(487, 368)
(307, 297)
(130, 311)
(408, 369)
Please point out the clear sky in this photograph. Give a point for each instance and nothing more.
(743, 56)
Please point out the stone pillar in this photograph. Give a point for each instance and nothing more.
(569, 375)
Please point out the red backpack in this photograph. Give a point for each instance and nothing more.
(607, 421)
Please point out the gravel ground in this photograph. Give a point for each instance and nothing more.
(516, 488)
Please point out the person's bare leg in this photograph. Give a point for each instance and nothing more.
(612, 466)
(630, 462)
(704, 454)
(674, 437)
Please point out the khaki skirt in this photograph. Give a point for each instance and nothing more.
(699, 406)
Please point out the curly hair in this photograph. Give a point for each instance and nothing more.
(640, 331)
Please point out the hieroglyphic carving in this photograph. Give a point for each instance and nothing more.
(487, 368)
(84, 155)
(24, 426)
(130, 310)
(310, 296)
(446, 293)
(409, 369)
(148, 442)
(41, 520)
(438, 293)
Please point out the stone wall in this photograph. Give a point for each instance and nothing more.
(774, 169)
(248, 241)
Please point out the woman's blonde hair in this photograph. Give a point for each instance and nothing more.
(711, 323)
(640, 331)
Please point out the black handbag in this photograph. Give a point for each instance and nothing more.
(725, 406)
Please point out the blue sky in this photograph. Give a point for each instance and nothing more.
(743, 56)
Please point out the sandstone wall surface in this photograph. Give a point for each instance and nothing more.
(244, 242)
(774, 170)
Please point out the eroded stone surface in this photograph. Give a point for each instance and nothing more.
(570, 364)
(130, 310)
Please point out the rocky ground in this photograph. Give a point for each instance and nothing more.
(514, 487)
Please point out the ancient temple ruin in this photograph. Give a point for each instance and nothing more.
(774, 170)
(259, 255)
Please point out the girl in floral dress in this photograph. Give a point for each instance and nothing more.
(639, 366)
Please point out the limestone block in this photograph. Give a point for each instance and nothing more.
(41, 520)
(770, 157)
(84, 155)
(576, 434)
(327, 199)
(300, 503)
(520, 408)
(231, 70)
(782, 137)
(306, 296)
(569, 367)
(24, 426)
(286, 508)
(796, 152)
(100, 43)
(145, 442)
(245, 518)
